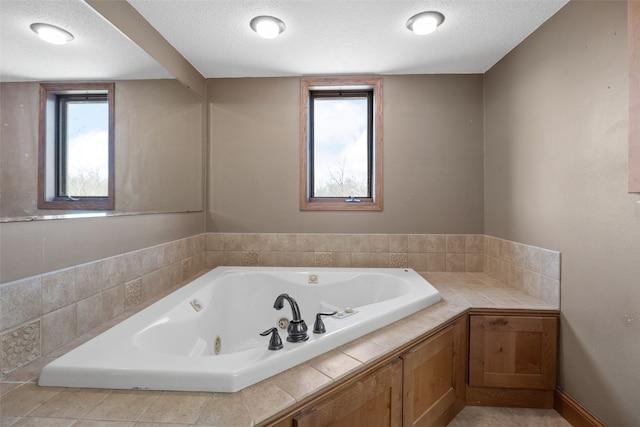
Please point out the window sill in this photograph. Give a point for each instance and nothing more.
(339, 204)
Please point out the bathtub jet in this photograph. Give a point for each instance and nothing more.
(216, 345)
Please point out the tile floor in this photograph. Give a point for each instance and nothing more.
(479, 416)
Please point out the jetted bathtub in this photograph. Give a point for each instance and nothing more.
(205, 336)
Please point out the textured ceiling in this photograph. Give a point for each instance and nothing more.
(322, 37)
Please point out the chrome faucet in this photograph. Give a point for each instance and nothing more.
(297, 328)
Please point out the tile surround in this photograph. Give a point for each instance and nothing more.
(41, 314)
(23, 403)
(58, 307)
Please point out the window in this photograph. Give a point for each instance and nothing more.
(341, 144)
(76, 147)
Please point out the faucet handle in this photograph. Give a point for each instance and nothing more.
(275, 343)
(318, 326)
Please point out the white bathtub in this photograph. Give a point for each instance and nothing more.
(171, 345)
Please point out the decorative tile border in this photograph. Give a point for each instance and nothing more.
(422, 252)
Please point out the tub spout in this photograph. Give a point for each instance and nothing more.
(297, 328)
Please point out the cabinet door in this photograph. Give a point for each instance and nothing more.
(434, 379)
(374, 401)
(512, 352)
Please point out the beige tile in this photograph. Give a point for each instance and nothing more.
(398, 243)
(362, 350)
(58, 328)
(378, 260)
(531, 283)
(359, 243)
(253, 242)
(89, 279)
(550, 291)
(20, 346)
(89, 314)
(396, 334)
(474, 262)
(58, 289)
(437, 243)
(250, 259)
(95, 423)
(398, 260)
(133, 293)
(27, 373)
(155, 283)
(44, 422)
(305, 259)
(70, 403)
(379, 242)
(550, 264)
(436, 262)
(112, 303)
(122, 268)
(278, 259)
(123, 405)
(334, 364)
(492, 246)
(177, 250)
(154, 258)
(363, 259)
(474, 244)
(300, 381)
(417, 243)
(20, 301)
(232, 242)
(456, 243)
(265, 399)
(232, 258)
(492, 266)
(6, 387)
(512, 252)
(341, 259)
(305, 242)
(22, 400)
(455, 262)
(478, 416)
(323, 259)
(226, 409)
(213, 259)
(214, 242)
(281, 242)
(417, 261)
(176, 407)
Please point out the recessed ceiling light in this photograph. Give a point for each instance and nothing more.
(51, 33)
(425, 22)
(267, 27)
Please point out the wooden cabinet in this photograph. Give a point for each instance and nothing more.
(376, 400)
(424, 386)
(512, 360)
(434, 378)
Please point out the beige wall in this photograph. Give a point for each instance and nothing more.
(432, 158)
(159, 148)
(556, 177)
(37, 247)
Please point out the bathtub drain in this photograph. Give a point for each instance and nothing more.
(217, 345)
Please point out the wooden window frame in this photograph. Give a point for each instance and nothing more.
(48, 166)
(308, 203)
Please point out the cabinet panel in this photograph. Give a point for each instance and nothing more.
(374, 401)
(434, 379)
(512, 352)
